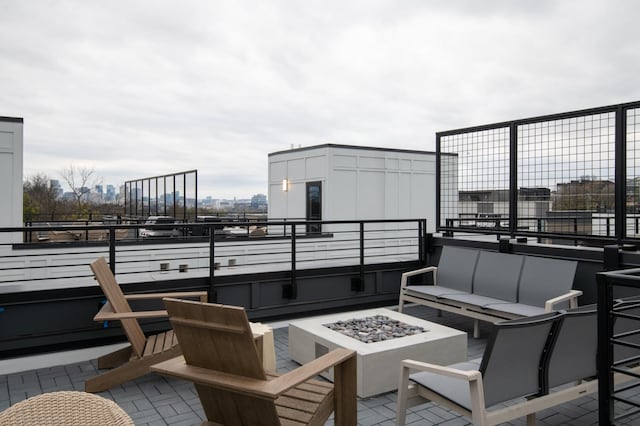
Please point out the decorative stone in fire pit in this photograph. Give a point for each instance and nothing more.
(378, 361)
(374, 329)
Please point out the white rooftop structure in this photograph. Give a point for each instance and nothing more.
(341, 182)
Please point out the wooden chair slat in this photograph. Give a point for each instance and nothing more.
(302, 405)
(169, 338)
(293, 414)
(148, 349)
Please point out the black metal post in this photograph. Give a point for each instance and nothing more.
(184, 197)
(136, 209)
(112, 249)
(621, 173)
(164, 183)
(421, 243)
(605, 350)
(293, 290)
(212, 294)
(195, 211)
(438, 181)
(361, 284)
(174, 197)
(513, 179)
(156, 197)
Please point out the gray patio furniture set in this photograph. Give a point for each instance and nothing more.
(493, 286)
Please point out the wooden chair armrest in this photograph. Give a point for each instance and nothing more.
(309, 370)
(175, 294)
(268, 389)
(106, 314)
(177, 367)
(469, 375)
(571, 296)
(405, 275)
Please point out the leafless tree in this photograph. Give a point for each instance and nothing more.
(80, 180)
(39, 197)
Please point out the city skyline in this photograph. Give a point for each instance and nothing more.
(134, 91)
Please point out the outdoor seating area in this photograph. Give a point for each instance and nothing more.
(158, 400)
(493, 286)
(143, 351)
(226, 370)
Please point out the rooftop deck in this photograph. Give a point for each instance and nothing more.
(155, 400)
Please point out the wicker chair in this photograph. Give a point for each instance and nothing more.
(67, 408)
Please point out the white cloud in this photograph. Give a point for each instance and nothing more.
(141, 88)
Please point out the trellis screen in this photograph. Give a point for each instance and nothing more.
(571, 175)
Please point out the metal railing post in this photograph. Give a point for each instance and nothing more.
(605, 350)
(293, 289)
(112, 249)
(212, 294)
(361, 286)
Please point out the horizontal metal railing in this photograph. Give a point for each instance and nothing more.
(618, 345)
(48, 257)
(601, 228)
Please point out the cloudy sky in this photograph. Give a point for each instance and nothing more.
(142, 88)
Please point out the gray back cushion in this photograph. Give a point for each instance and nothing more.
(456, 267)
(510, 364)
(543, 279)
(574, 355)
(497, 275)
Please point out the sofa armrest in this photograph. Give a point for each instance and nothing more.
(571, 296)
(469, 376)
(405, 275)
(409, 395)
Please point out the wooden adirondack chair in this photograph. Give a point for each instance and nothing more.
(134, 360)
(221, 359)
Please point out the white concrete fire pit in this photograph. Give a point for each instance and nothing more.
(378, 361)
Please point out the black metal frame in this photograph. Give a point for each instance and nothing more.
(131, 201)
(620, 215)
(608, 311)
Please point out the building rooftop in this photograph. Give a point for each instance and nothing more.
(156, 400)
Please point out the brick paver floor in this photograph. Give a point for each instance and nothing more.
(156, 400)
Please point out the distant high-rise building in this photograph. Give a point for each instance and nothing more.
(111, 193)
(57, 188)
(259, 201)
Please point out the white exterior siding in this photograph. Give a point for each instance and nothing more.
(357, 183)
(11, 177)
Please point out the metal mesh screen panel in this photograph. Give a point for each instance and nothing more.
(474, 179)
(566, 175)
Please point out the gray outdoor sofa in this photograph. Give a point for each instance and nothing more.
(492, 286)
(529, 364)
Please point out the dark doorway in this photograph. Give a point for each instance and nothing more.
(314, 206)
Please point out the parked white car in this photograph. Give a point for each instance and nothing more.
(160, 231)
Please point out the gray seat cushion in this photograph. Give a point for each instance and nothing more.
(497, 275)
(473, 299)
(516, 309)
(430, 291)
(455, 390)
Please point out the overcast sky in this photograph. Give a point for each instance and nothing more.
(143, 88)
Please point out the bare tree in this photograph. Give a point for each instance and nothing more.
(80, 180)
(40, 198)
